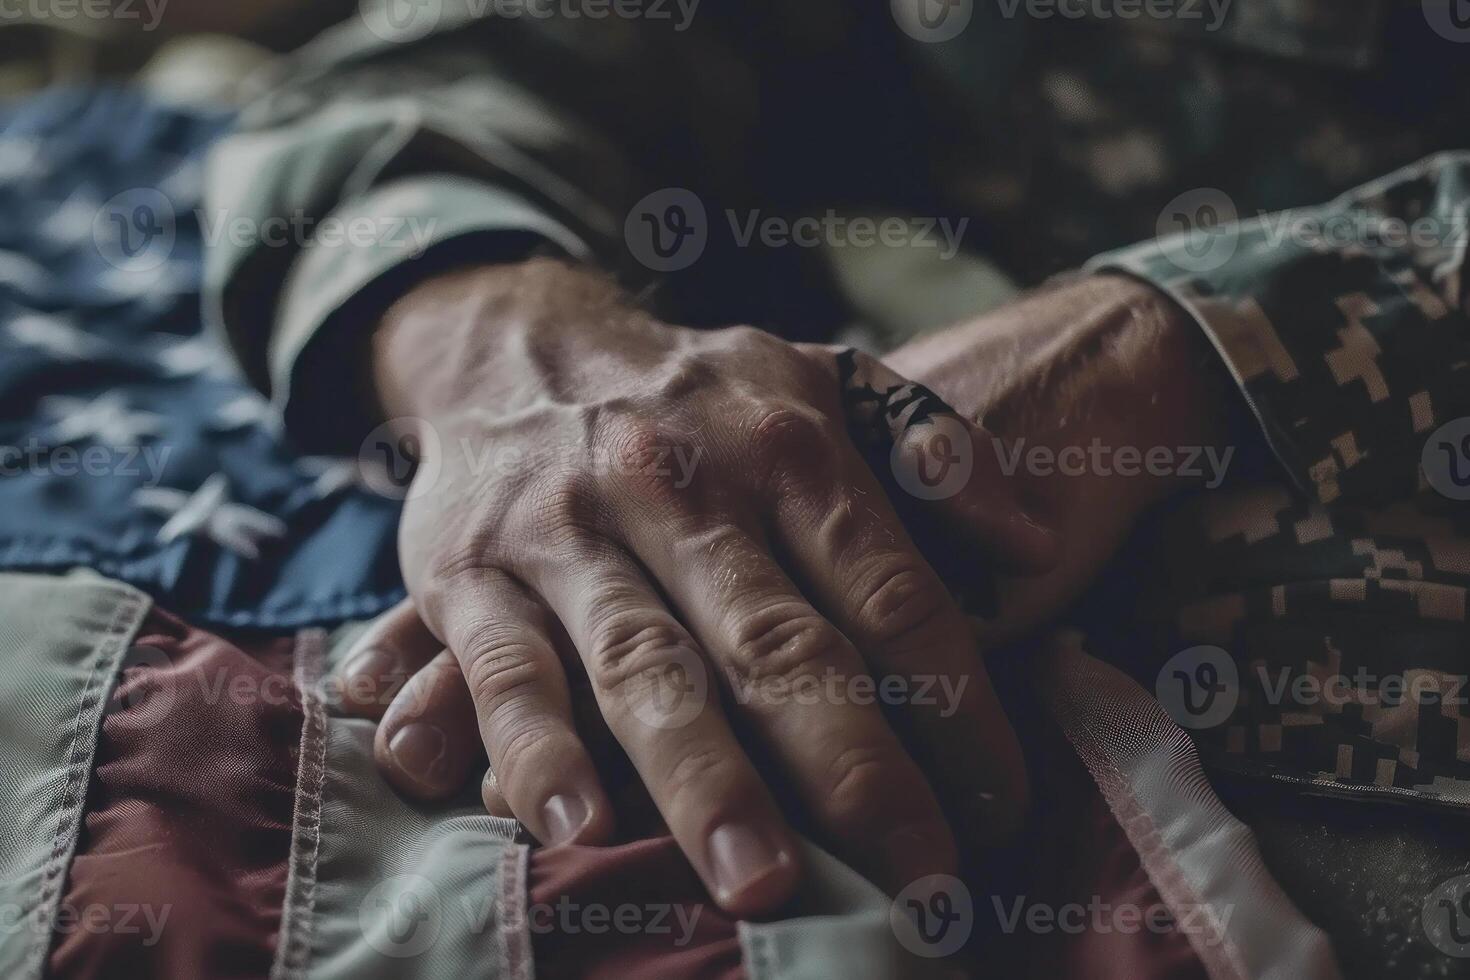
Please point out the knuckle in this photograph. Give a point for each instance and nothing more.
(789, 437)
(633, 646)
(784, 645)
(500, 666)
(642, 458)
(746, 337)
(901, 604)
(861, 782)
(566, 507)
(517, 747)
(702, 777)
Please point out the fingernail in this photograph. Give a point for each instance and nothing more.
(565, 817)
(419, 748)
(740, 857)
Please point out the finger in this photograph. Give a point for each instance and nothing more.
(798, 680)
(427, 742)
(390, 651)
(953, 471)
(653, 686)
(518, 691)
(495, 803)
(849, 549)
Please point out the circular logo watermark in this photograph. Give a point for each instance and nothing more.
(1450, 19)
(135, 231)
(667, 230)
(1204, 221)
(400, 917)
(1445, 459)
(400, 21)
(145, 685)
(1199, 687)
(932, 21)
(675, 694)
(401, 458)
(936, 458)
(1446, 916)
(933, 916)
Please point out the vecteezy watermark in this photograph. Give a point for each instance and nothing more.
(409, 234)
(933, 917)
(402, 21)
(401, 916)
(1202, 686)
(1199, 687)
(566, 917)
(1446, 916)
(1211, 14)
(1322, 232)
(93, 918)
(834, 230)
(669, 229)
(939, 691)
(671, 695)
(136, 231)
(1103, 917)
(1450, 19)
(1097, 458)
(1200, 229)
(40, 457)
(936, 460)
(1298, 689)
(404, 915)
(149, 12)
(1445, 459)
(932, 21)
(405, 458)
(1204, 219)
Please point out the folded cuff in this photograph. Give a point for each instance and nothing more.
(362, 254)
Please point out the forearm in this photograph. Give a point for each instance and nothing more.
(1105, 358)
(1102, 399)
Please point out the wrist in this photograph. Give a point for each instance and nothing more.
(504, 336)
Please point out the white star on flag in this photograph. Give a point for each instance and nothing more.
(105, 419)
(24, 273)
(210, 512)
(54, 335)
(244, 412)
(151, 283)
(332, 474)
(72, 220)
(19, 157)
(185, 182)
(196, 356)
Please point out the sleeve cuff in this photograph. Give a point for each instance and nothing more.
(1246, 344)
(399, 232)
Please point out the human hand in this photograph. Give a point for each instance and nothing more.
(663, 507)
(1101, 398)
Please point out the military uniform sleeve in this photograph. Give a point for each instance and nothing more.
(1344, 325)
(373, 158)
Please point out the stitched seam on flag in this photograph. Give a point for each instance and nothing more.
(297, 910)
(1114, 717)
(106, 656)
(1216, 952)
(514, 927)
